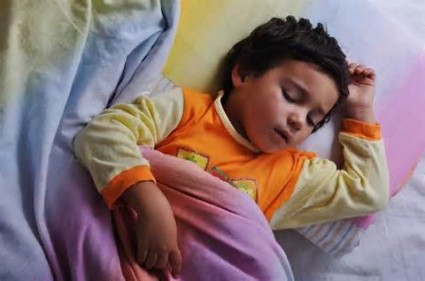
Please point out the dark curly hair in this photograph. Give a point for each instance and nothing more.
(278, 40)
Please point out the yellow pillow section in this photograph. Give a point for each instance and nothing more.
(208, 29)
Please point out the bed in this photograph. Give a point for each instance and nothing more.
(62, 62)
(394, 247)
(388, 35)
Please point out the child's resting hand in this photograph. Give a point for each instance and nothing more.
(157, 246)
(362, 90)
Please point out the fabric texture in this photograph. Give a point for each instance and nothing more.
(325, 193)
(222, 235)
(107, 146)
(61, 63)
(292, 188)
(370, 40)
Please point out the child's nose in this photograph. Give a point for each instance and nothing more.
(296, 121)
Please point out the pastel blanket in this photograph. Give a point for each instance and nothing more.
(223, 235)
(61, 63)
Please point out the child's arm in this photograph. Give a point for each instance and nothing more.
(157, 245)
(108, 145)
(324, 193)
(108, 148)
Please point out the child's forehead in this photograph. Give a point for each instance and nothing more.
(308, 80)
(305, 72)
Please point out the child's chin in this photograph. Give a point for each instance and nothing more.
(271, 150)
(269, 145)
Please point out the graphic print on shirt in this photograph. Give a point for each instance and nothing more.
(216, 172)
(247, 185)
(198, 159)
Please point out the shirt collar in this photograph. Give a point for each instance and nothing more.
(228, 125)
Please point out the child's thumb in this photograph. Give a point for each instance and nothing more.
(175, 263)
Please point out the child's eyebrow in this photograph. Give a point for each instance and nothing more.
(305, 93)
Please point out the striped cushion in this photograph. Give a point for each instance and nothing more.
(336, 238)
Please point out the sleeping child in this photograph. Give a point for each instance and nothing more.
(280, 84)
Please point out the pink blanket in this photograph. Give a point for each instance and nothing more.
(223, 235)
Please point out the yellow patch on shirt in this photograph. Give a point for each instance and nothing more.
(198, 159)
(246, 185)
(249, 186)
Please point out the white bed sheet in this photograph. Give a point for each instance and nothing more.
(394, 247)
(409, 13)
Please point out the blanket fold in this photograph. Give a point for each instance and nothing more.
(61, 63)
(222, 233)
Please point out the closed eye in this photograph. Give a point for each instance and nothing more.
(288, 97)
(310, 121)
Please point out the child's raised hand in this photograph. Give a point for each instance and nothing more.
(157, 246)
(362, 90)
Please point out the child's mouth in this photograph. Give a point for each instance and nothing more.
(282, 134)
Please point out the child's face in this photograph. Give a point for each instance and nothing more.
(280, 108)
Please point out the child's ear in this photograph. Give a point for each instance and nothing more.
(238, 78)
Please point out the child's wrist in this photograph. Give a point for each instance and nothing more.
(364, 114)
(142, 195)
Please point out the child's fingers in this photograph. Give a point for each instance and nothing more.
(351, 67)
(359, 69)
(162, 260)
(142, 252)
(151, 260)
(175, 263)
(369, 72)
(356, 69)
(364, 73)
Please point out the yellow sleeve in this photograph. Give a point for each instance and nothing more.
(324, 193)
(108, 146)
